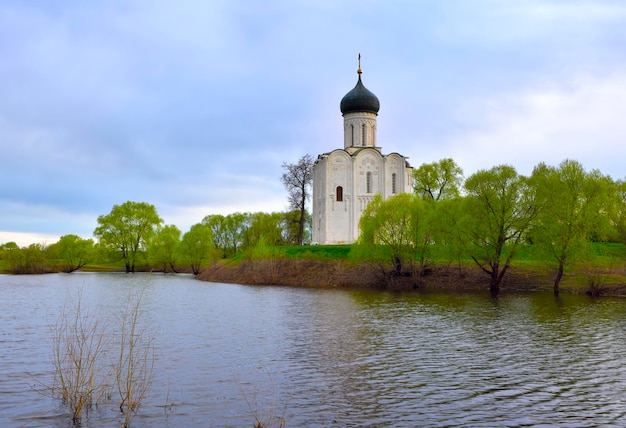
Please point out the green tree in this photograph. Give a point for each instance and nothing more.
(449, 231)
(297, 179)
(163, 247)
(228, 231)
(291, 227)
(617, 211)
(235, 226)
(216, 223)
(127, 230)
(397, 229)
(438, 180)
(572, 201)
(500, 207)
(438, 184)
(74, 252)
(197, 247)
(27, 260)
(8, 246)
(51, 252)
(263, 226)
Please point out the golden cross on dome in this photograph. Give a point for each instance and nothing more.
(359, 70)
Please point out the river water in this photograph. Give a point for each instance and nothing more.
(227, 354)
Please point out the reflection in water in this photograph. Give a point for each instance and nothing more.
(228, 353)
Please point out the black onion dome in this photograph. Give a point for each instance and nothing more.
(360, 99)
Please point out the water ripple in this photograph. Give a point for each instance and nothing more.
(327, 358)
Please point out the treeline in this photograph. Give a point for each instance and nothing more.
(488, 218)
(556, 213)
(134, 234)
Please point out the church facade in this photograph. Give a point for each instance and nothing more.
(346, 180)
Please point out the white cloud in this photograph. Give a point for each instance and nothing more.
(504, 23)
(581, 120)
(24, 239)
(193, 107)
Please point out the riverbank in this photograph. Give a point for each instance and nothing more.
(348, 274)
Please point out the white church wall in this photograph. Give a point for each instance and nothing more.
(359, 169)
(339, 229)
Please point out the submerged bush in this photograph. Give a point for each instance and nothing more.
(82, 367)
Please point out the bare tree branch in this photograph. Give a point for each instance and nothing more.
(297, 179)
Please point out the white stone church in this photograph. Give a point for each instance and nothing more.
(346, 180)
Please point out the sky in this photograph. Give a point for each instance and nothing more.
(193, 106)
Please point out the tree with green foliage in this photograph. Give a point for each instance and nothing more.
(297, 180)
(227, 231)
(8, 246)
(438, 180)
(127, 229)
(163, 246)
(197, 247)
(215, 222)
(398, 230)
(438, 184)
(74, 252)
(234, 227)
(617, 210)
(449, 231)
(238, 232)
(572, 201)
(291, 227)
(51, 251)
(500, 207)
(27, 260)
(263, 226)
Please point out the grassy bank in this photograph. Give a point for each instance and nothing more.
(604, 273)
(56, 266)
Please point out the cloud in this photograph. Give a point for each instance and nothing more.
(25, 239)
(194, 106)
(580, 120)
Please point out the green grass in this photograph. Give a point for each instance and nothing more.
(316, 252)
(604, 256)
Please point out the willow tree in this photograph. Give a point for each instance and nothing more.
(438, 184)
(397, 230)
(197, 246)
(75, 252)
(228, 231)
(438, 180)
(127, 229)
(163, 247)
(450, 231)
(265, 227)
(617, 210)
(500, 207)
(572, 202)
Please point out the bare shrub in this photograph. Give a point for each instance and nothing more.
(596, 284)
(79, 343)
(265, 412)
(135, 364)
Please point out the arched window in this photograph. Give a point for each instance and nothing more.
(368, 182)
(393, 182)
(339, 194)
(363, 136)
(352, 135)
